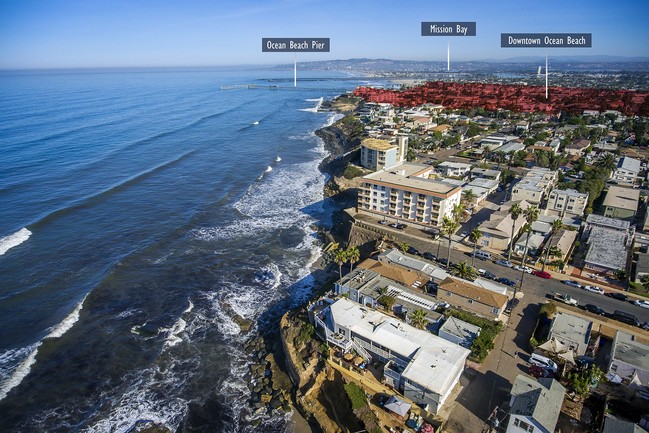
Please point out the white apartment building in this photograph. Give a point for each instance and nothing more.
(406, 191)
(535, 185)
(377, 154)
(457, 169)
(627, 171)
(567, 201)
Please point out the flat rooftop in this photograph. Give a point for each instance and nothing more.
(434, 362)
(607, 248)
(622, 198)
(405, 176)
(614, 223)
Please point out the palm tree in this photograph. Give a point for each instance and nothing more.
(468, 196)
(531, 215)
(353, 255)
(475, 236)
(458, 212)
(556, 226)
(515, 211)
(465, 271)
(418, 319)
(607, 161)
(449, 226)
(340, 257)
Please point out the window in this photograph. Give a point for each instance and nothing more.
(522, 424)
(495, 311)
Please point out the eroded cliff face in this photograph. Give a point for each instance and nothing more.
(319, 393)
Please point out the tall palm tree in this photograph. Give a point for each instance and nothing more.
(458, 212)
(340, 257)
(353, 255)
(556, 226)
(418, 319)
(515, 211)
(475, 236)
(531, 215)
(607, 161)
(465, 271)
(449, 226)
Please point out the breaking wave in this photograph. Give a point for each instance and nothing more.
(13, 240)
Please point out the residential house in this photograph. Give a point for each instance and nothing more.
(485, 173)
(423, 367)
(459, 332)
(456, 169)
(572, 331)
(630, 359)
(614, 425)
(497, 231)
(564, 241)
(641, 267)
(481, 189)
(621, 203)
(377, 154)
(512, 146)
(495, 141)
(609, 241)
(567, 201)
(407, 192)
(367, 286)
(577, 147)
(474, 299)
(534, 405)
(627, 171)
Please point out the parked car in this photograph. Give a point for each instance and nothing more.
(525, 269)
(486, 274)
(505, 263)
(645, 326)
(511, 304)
(428, 256)
(595, 309)
(506, 281)
(413, 250)
(398, 226)
(444, 262)
(641, 303)
(572, 283)
(383, 222)
(594, 289)
(537, 371)
(543, 362)
(617, 295)
(625, 317)
(542, 274)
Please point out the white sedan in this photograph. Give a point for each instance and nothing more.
(594, 289)
(641, 303)
(523, 268)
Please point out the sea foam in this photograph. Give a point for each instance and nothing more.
(13, 240)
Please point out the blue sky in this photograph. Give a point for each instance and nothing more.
(120, 33)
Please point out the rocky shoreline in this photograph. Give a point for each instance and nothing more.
(280, 371)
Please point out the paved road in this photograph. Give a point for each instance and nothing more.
(533, 286)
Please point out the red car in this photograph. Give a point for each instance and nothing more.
(542, 274)
(536, 371)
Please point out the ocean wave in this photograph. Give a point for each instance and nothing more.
(113, 189)
(23, 359)
(13, 240)
(174, 333)
(317, 106)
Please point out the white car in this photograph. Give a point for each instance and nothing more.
(594, 289)
(641, 303)
(526, 269)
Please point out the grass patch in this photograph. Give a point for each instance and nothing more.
(356, 395)
(361, 408)
(351, 171)
(638, 289)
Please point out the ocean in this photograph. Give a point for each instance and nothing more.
(141, 209)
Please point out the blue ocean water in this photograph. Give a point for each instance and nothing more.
(139, 210)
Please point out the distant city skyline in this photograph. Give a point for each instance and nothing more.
(150, 33)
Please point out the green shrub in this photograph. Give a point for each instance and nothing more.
(351, 171)
(484, 342)
(356, 395)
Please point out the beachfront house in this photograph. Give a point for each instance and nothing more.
(423, 367)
